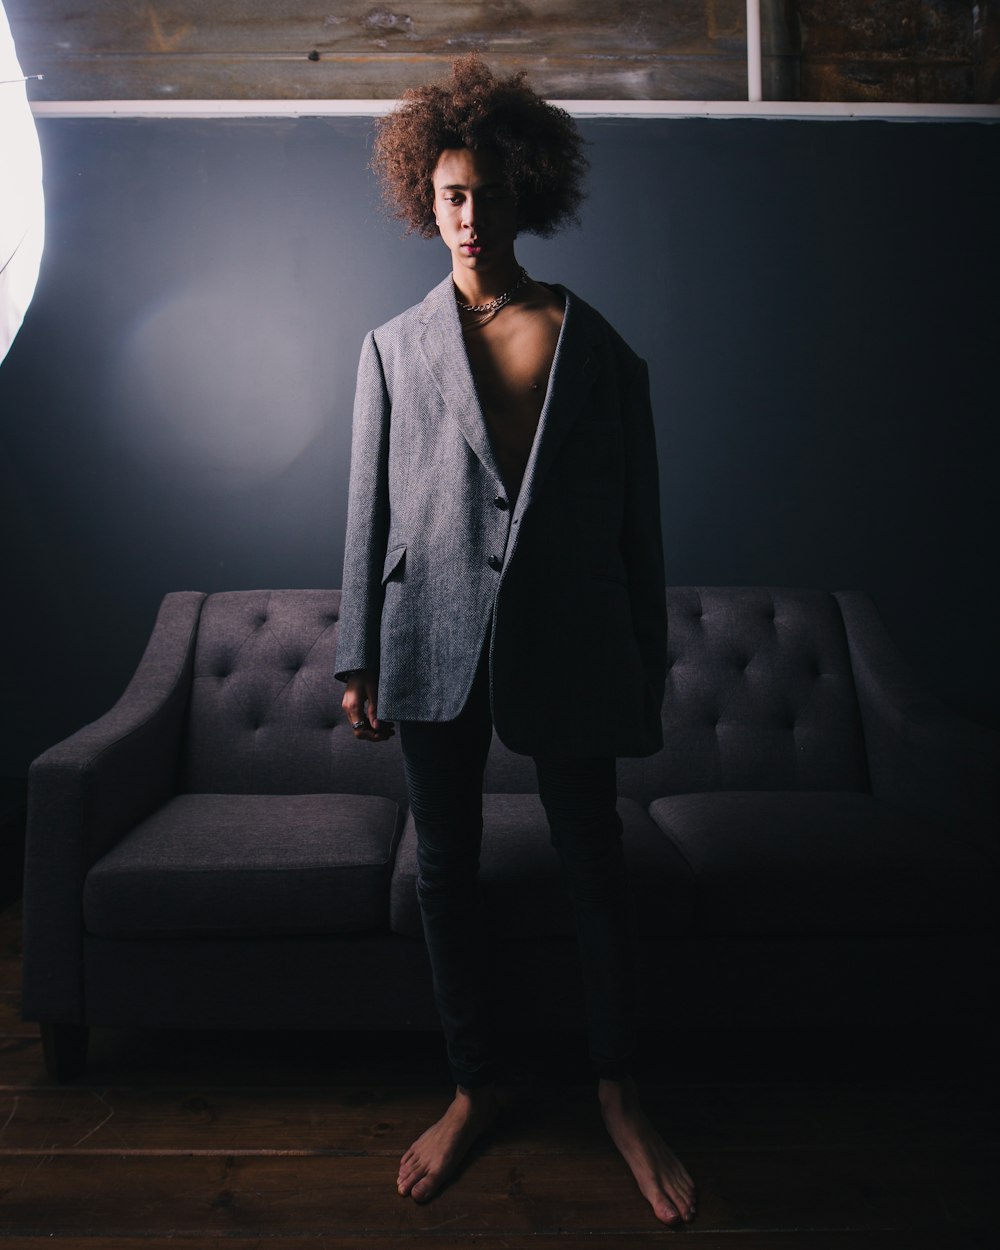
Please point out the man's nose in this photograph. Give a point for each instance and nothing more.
(469, 213)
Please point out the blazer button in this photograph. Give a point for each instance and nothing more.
(501, 503)
(495, 563)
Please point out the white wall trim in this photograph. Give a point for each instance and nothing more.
(755, 50)
(578, 108)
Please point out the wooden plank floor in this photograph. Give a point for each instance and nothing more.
(231, 1139)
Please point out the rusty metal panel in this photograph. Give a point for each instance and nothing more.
(245, 49)
(986, 36)
(941, 29)
(867, 81)
(920, 51)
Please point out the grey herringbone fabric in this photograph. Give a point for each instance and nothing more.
(436, 554)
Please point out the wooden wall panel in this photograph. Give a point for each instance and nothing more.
(181, 49)
(925, 51)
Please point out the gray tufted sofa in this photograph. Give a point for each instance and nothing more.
(816, 843)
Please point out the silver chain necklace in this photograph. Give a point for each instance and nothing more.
(494, 305)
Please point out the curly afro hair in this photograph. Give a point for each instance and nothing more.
(538, 144)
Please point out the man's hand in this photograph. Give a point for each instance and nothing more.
(362, 688)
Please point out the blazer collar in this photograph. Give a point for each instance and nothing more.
(444, 350)
(574, 369)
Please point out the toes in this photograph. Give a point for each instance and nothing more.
(682, 1202)
(414, 1186)
(665, 1210)
(409, 1173)
(682, 1198)
(425, 1188)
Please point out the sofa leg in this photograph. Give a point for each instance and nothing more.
(65, 1047)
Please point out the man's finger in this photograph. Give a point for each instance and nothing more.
(372, 692)
(353, 707)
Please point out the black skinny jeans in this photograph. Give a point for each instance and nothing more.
(444, 765)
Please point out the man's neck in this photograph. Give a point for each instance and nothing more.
(480, 287)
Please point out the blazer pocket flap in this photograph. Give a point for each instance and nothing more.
(393, 561)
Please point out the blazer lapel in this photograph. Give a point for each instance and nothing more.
(574, 369)
(444, 351)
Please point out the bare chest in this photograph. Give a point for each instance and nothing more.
(511, 362)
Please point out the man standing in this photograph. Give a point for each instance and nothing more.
(503, 538)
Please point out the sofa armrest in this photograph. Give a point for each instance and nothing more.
(922, 756)
(86, 792)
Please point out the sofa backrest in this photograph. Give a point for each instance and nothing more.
(264, 715)
(760, 696)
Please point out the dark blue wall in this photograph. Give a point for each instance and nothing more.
(817, 300)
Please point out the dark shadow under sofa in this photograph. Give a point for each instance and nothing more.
(815, 844)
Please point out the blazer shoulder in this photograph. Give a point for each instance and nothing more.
(589, 321)
(410, 323)
(588, 324)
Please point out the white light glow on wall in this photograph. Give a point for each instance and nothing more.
(206, 392)
(22, 209)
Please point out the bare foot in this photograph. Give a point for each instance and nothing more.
(432, 1159)
(659, 1173)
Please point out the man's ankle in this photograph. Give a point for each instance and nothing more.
(477, 1093)
(615, 1089)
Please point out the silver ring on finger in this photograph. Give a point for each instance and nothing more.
(358, 724)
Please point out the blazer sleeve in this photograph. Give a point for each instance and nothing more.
(367, 519)
(642, 534)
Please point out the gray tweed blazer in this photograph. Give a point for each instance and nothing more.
(567, 585)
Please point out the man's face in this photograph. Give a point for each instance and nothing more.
(475, 210)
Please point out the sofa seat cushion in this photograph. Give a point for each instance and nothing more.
(248, 865)
(833, 863)
(521, 877)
